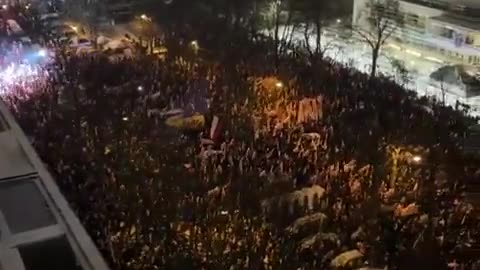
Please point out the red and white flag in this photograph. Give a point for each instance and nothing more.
(215, 129)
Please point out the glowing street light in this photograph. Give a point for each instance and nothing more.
(417, 159)
(145, 17)
(339, 20)
(74, 28)
(42, 53)
(125, 118)
(194, 45)
(279, 84)
(4, 6)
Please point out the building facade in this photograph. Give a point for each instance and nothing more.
(38, 229)
(441, 30)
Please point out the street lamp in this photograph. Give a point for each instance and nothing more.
(42, 53)
(417, 159)
(195, 45)
(279, 84)
(145, 17)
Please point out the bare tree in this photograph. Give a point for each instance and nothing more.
(317, 14)
(401, 71)
(272, 16)
(383, 19)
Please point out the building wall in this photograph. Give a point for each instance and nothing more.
(419, 10)
(423, 30)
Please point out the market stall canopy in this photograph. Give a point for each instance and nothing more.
(15, 27)
(346, 257)
(117, 44)
(308, 242)
(102, 40)
(299, 223)
(194, 122)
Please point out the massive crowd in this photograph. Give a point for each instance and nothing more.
(367, 170)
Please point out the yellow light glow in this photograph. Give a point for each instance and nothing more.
(417, 54)
(433, 59)
(417, 159)
(194, 45)
(145, 17)
(396, 47)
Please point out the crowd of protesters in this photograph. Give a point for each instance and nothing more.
(371, 167)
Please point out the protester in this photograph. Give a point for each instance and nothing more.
(382, 166)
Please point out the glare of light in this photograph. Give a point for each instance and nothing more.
(223, 212)
(23, 74)
(339, 20)
(279, 84)
(417, 54)
(74, 28)
(42, 53)
(145, 17)
(4, 6)
(433, 59)
(125, 118)
(417, 159)
(396, 47)
(194, 45)
(27, 6)
(140, 88)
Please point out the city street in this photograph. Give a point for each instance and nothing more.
(357, 54)
(195, 142)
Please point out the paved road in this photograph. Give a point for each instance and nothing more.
(356, 53)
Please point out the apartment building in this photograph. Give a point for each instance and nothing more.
(38, 229)
(439, 29)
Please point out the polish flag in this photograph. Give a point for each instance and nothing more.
(215, 129)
